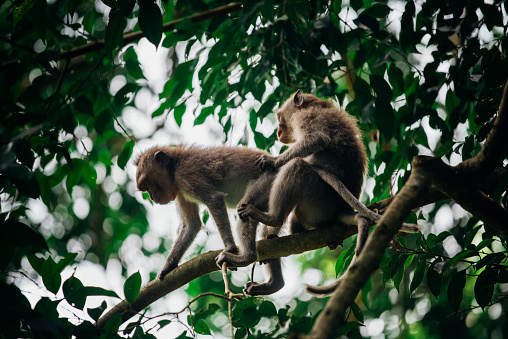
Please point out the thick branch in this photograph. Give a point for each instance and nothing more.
(494, 151)
(205, 263)
(368, 261)
(456, 186)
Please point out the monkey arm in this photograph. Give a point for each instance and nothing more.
(312, 143)
(217, 207)
(191, 224)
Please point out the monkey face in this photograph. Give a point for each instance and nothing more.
(152, 177)
(285, 130)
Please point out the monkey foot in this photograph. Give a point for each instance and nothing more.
(254, 288)
(234, 260)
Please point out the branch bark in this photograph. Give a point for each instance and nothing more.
(430, 179)
(368, 261)
(205, 263)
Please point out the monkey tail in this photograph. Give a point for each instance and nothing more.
(322, 291)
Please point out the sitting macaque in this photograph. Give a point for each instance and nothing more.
(216, 177)
(323, 137)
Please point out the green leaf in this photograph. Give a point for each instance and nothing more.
(125, 154)
(409, 260)
(455, 289)
(41, 18)
(150, 21)
(357, 311)
(384, 117)
(445, 149)
(178, 113)
(418, 275)
(434, 280)
(267, 309)
(132, 286)
(462, 255)
(95, 313)
(205, 113)
(70, 288)
(342, 260)
(21, 10)
(377, 10)
(112, 325)
(114, 31)
(24, 180)
(484, 286)
(202, 327)
(51, 276)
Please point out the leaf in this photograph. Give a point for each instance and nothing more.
(24, 180)
(357, 311)
(267, 309)
(484, 286)
(70, 289)
(205, 113)
(132, 286)
(51, 276)
(455, 289)
(384, 117)
(20, 10)
(41, 18)
(445, 148)
(150, 21)
(434, 280)
(462, 255)
(125, 154)
(114, 31)
(418, 275)
(95, 313)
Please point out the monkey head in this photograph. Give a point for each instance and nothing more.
(285, 114)
(155, 175)
(288, 114)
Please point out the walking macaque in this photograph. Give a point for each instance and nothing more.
(325, 138)
(216, 177)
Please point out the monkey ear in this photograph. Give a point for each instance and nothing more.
(298, 98)
(161, 158)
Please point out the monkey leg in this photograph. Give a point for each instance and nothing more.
(248, 254)
(217, 207)
(353, 201)
(273, 270)
(274, 283)
(284, 194)
(246, 228)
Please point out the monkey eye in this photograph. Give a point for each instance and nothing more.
(144, 187)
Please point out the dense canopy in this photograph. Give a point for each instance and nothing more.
(86, 84)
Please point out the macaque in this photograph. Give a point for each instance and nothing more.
(323, 137)
(216, 177)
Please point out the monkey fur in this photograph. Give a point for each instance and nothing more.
(216, 177)
(325, 137)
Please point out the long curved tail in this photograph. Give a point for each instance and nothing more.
(322, 291)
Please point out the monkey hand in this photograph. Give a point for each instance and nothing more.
(266, 162)
(244, 211)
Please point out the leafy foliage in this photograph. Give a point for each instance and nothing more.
(429, 85)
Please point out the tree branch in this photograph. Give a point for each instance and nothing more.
(494, 151)
(368, 261)
(135, 36)
(205, 263)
